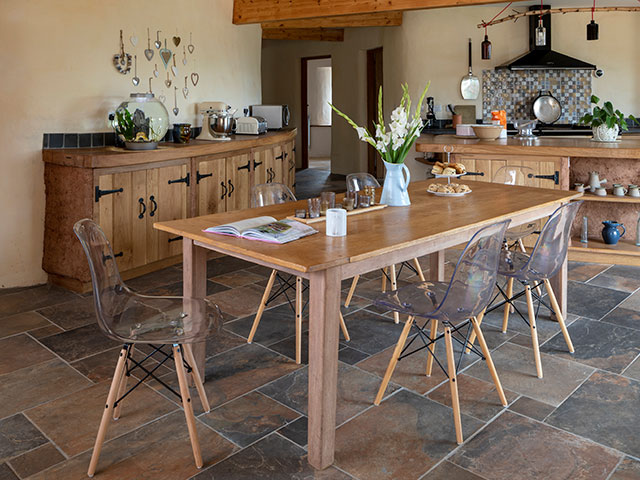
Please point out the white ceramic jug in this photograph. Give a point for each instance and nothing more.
(594, 181)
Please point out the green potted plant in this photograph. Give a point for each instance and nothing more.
(605, 122)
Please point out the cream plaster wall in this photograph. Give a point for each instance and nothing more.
(57, 76)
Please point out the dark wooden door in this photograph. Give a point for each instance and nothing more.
(374, 82)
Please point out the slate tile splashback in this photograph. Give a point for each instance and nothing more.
(97, 139)
(514, 91)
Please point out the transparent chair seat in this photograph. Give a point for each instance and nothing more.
(517, 175)
(357, 181)
(271, 194)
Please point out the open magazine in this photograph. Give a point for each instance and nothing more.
(265, 229)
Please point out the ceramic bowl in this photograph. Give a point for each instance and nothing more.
(487, 132)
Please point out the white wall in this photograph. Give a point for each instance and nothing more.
(320, 144)
(57, 76)
(319, 91)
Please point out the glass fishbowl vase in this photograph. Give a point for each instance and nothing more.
(141, 121)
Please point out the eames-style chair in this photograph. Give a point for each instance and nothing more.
(455, 306)
(133, 319)
(273, 194)
(355, 183)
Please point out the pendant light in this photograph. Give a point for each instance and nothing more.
(486, 46)
(541, 32)
(592, 27)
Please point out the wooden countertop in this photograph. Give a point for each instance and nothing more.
(107, 157)
(628, 147)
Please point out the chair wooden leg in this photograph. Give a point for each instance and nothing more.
(472, 337)
(507, 306)
(432, 348)
(394, 359)
(487, 356)
(416, 264)
(394, 286)
(108, 411)
(263, 304)
(384, 280)
(524, 250)
(559, 317)
(117, 410)
(197, 379)
(298, 320)
(343, 326)
(186, 404)
(534, 331)
(453, 384)
(352, 290)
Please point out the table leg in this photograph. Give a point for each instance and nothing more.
(559, 285)
(324, 307)
(194, 279)
(436, 266)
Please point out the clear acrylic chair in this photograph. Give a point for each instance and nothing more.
(457, 305)
(272, 194)
(534, 270)
(355, 183)
(130, 318)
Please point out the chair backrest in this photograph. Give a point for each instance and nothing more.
(515, 175)
(271, 194)
(474, 278)
(108, 287)
(357, 181)
(551, 248)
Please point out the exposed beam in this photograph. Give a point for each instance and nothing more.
(259, 11)
(317, 34)
(384, 19)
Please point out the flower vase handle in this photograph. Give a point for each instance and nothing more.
(624, 230)
(407, 174)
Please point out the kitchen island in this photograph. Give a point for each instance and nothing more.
(559, 163)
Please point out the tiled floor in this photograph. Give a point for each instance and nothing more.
(579, 422)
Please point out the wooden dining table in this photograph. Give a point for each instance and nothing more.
(374, 240)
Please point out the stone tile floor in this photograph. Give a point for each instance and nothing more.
(580, 421)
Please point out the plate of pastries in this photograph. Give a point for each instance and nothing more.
(448, 189)
(443, 170)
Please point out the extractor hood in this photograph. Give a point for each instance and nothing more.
(542, 57)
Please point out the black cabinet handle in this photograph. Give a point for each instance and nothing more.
(269, 173)
(143, 208)
(201, 176)
(231, 188)
(479, 174)
(256, 164)
(555, 177)
(247, 166)
(286, 154)
(174, 239)
(154, 205)
(280, 157)
(101, 193)
(184, 179)
(224, 190)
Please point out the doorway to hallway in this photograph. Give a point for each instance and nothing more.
(316, 91)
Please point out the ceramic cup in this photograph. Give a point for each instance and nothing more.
(181, 132)
(633, 190)
(601, 192)
(619, 190)
(579, 187)
(336, 222)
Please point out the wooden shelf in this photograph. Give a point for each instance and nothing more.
(590, 197)
(623, 247)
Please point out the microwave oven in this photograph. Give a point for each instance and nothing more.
(277, 116)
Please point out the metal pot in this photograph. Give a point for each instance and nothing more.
(546, 108)
(222, 123)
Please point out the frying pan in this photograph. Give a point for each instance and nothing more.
(546, 108)
(470, 85)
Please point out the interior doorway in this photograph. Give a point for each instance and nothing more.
(316, 113)
(374, 82)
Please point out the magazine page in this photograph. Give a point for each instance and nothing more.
(241, 226)
(283, 231)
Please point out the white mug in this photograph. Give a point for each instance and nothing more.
(634, 191)
(336, 224)
(619, 190)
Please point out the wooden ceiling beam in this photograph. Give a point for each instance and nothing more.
(384, 19)
(316, 34)
(259, 11)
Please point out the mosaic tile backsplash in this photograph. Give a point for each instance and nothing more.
(514, 91)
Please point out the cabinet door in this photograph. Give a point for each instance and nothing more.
(289, 165)
(211, 182)
(262, 165)
(238, 169)
(277, 166)
(122, 216)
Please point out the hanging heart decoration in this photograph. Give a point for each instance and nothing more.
(162, 98)
(174, 69)
(134, 40)
(194, 78)
(167, 82)
(165, 54)
(190, 46)
(122, 60)
(148, 52)
(156, 73)
(176, 41)
(184, 55)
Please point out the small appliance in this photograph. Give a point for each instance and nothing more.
(277, 116)
(251, 126)
(221, 115)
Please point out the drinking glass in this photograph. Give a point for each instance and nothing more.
(313, 206)
(301, 213)
(364, 201)
(329, 197)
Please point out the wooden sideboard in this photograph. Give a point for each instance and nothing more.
(125, 192)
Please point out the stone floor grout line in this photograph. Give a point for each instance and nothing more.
(615, 468)
(596, 275)
(627, 367)
(57, 447)
(544, 420)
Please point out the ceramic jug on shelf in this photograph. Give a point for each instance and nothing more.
(595, 182)
(610, 232)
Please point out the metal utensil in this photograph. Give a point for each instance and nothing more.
(185, 90)
(451, 109)
(158, 43)
(135, 80)
(546, 108)
(175, 101)
(470, 85)
(190, 46)
(148, 52)
(167, 82)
